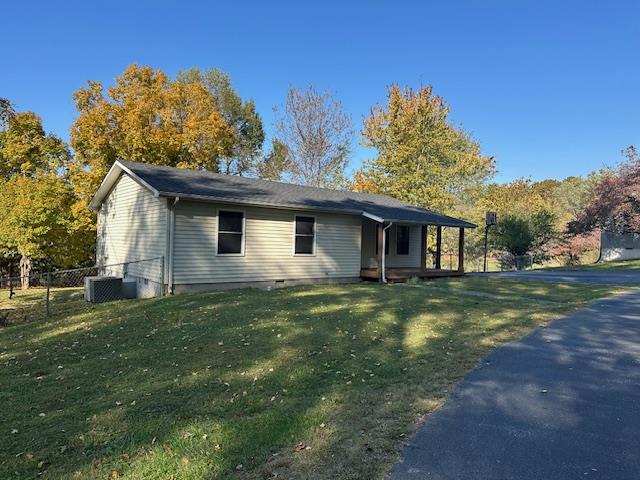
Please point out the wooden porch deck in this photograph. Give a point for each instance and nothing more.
(400, 275)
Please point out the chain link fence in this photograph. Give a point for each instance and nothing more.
(501, 262)
(48, 292)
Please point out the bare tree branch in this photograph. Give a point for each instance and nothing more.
(318, 135)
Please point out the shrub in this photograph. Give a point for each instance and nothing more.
(520, 236)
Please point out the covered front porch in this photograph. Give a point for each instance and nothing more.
(395, 251)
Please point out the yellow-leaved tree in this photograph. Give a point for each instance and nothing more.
(38, 219)
(421, 157)
(26, 150)
(146, 117)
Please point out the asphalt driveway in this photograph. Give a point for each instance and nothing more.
(612, 277)
(562, 403)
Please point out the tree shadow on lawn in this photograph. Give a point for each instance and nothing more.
(563, 394)
(228, 383)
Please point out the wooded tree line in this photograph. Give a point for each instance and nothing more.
(197, 120)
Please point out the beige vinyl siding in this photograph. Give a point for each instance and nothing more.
(405, 261)
(412, 260)
(132, 225)
(268, 248)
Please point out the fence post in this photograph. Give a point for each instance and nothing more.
(48, 290)
(10, 280)
(162, 275)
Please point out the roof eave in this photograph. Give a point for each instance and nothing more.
(205, 198)
(445, 223)
(232, 201)
(110, 180)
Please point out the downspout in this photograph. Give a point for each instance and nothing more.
(172, 229)
(384, 249)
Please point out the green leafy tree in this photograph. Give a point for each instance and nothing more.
(572, 195)
(516, 198)
(525, 235)
(239, 114)
(6, 111)
(514, 235)
(421, 158)
(275, 164)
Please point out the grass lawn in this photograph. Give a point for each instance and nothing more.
(322, 382)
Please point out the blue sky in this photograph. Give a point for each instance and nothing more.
(551, 88)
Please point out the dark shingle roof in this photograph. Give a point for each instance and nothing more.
(169, 181)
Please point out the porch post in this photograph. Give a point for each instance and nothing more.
(423, 249)
(461, 251)
(379, 233)
(439, 248)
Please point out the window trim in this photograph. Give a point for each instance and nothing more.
(315, 235)
(244, 232)
(408, 227)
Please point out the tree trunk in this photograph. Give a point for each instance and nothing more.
(25, 271)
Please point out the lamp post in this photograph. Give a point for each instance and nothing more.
(491, 219)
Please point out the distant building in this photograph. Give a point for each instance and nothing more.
(619, 246)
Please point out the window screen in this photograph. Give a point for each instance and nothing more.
(230, 232)
(305, 235)
(402, 241)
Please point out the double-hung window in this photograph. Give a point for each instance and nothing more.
(230, 232)
(402, 240)
(305, 235)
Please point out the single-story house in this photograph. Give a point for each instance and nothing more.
(214, 231)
